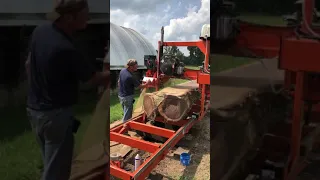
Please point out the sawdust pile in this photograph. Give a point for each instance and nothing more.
(139, 104)
(238, 129)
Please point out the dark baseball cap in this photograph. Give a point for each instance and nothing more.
(62, 7)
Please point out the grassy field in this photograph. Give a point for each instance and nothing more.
(19, 152)
(265, 20)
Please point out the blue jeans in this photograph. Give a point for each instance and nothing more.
(54, 134)
(127, 107)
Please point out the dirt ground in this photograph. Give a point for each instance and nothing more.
(238, 131)
(199, 169)
(234, 102)
(241, 114)
(197, 143)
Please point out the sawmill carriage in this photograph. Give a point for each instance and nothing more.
(154, 121)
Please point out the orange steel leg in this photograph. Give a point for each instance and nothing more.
(298, 107)
(157, 152)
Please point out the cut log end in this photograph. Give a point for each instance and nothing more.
(172, 108)
(173, 104)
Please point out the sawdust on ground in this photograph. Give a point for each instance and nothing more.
(170, 167)
(199, 169)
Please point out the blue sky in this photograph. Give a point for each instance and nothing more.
(182, 19)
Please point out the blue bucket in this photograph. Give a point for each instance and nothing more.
(185, 159)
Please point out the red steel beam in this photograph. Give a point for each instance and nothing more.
(156, 157)
(118, 128)
(300, 55)
(179, 123)
(151, 129)
(190, 73)
(158, 152)
(120, 173)
(202, 45)
(144, 170)
(297, 117)
(203, 78)
(307, 14)
(132, 142)
(262, 40)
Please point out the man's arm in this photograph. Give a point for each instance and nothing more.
(143, 85)
(85, 70)
(137, 84)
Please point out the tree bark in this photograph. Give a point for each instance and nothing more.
(172, 103)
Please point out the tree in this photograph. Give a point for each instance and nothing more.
(196, 57)
(174, 51)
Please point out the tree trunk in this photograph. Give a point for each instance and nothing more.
(151, 101)
(172, 103)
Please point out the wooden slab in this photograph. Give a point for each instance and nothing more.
(113, 143)
(125, 150)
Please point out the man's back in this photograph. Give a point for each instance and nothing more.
(127, 83)
(54, 66)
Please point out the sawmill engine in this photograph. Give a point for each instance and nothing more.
(169, 65)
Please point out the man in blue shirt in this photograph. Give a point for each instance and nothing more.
(127, 84)
(54, 68)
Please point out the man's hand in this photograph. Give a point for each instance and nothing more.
(143, 85)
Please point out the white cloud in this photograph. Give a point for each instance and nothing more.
(182, 20)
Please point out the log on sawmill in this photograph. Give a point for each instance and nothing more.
(172, 103)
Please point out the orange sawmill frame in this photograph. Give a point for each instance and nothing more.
(197, 113)
(298, 57)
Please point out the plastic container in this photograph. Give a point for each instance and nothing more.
(137, 162)
(185, 159)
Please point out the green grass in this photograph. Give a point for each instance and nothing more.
(193, 67)
(220, 62)
(265, 20)
(19, 153)
(115, 107)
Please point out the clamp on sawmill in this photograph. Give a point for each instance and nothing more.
(296, 46)
(160, 69)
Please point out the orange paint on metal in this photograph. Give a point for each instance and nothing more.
(133, 142)
(151, 129)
